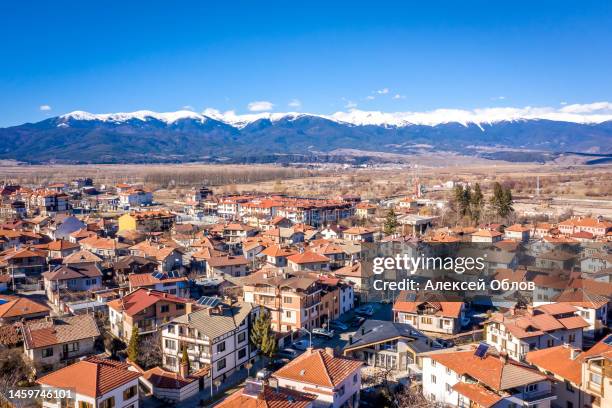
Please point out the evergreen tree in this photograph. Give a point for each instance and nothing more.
(262, 336)
(133, 345)
(476, 202)
(506, 203)
(390, 222)
(185, 358)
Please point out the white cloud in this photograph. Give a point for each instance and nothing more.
(295, 103)
(369, 97)
(383, 91)
(260, 106)
(398, 96)
(188, 107)
(596, 107)
(498, 98)
(350, 105)
(45, 108)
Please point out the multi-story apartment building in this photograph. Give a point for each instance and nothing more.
(135, 197)
(146, 309)
(217, 336)
(522, 330)
(466, 378)
(172, 283)
(47, 202)
(293, 300)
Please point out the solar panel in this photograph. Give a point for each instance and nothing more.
(252, 388)
(481, 351)
(608, 340)
(159, 275)
(209, 301)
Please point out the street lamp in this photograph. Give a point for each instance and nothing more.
(309, 334)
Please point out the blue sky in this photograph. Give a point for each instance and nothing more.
(319, 57)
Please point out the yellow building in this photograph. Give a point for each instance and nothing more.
(147, 221)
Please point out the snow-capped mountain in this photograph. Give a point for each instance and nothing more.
(525, 134)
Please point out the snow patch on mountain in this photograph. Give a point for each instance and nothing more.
(577, 113)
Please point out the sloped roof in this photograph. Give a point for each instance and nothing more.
(20, 306)
(490, 370)
(319, 367)
(478, 394)
(269, 398)
(57, 330)
(93, 376)
(73, 271)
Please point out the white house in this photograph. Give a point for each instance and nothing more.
(461, 378)
(335, 381)
(94, 383)
(217, 335)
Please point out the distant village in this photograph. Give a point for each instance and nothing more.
(251, 300)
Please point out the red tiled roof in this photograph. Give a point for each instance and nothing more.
(478, 394)
(93, 376)
(320, 368)
(139, 299)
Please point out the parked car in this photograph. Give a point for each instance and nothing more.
(301, 345)
(323, 332)
(263, 374)
(277, 363)
(338, 325)
(357, 321)
(367, 310)
(288, 353)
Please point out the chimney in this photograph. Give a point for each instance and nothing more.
(574, 353)
(350, 340)
(503, 357)
(362, 330)
(329, 351)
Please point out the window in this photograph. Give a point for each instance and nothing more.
(287, 299)
(170, 344)
(572, 338)
(108, 403)
(164, 308)
(241, 337)
(531, 388)
(433, 379)
(129, 393)
(180, 306)
(494, 338)
(550, 342)
(170, 329)
(433, 363)
(170, 361)
(448, 370)
(354, 378)
(341, 391)
(426, 320)
(48, 352)
(288, 314)
(83, 404)
(569, 386)
(221, 364)
(72, 347)
(221, 347)
(595, 378)
(449, 388)
(242, 353)
(569, 404)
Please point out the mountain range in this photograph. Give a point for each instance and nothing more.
(356, 136)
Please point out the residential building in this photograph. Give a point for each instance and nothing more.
(293, 300)
(14, 309)
(217, 336)
(430, 314)
(95, 383)
(145, 309)
(389, 345)
(68, 280)
(466, 377)
(522, 330)
(172, 283)
(258, 394)
(582, 378)
(335, 381)
(147, 221)
(54, 342)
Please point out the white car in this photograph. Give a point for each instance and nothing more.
(323, 333)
